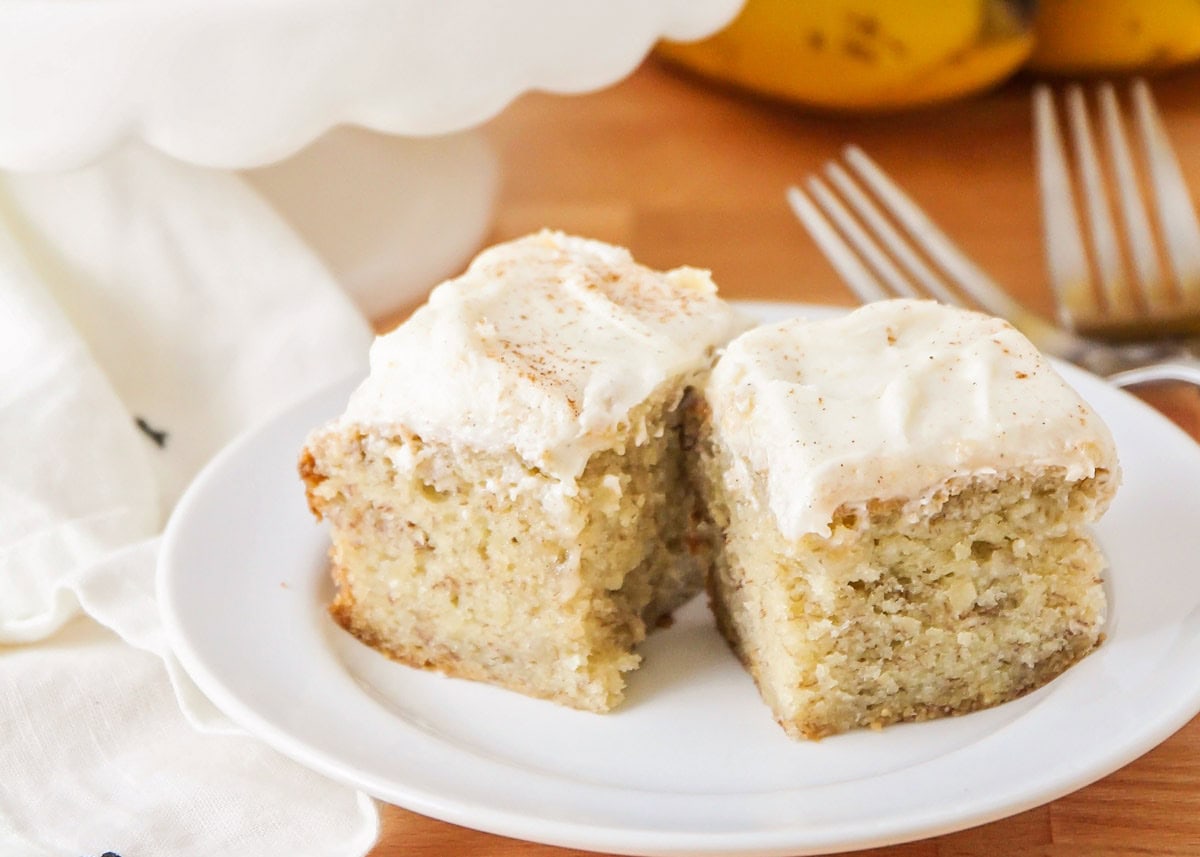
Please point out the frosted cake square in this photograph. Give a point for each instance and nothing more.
(905, 494)
(507, 491)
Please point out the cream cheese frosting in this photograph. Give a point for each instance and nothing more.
(544, 345)
(892, 401)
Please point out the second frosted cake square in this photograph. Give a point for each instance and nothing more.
(905, 494)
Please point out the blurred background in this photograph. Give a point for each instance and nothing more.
(686, 160)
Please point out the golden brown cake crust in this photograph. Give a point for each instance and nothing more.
(311, 477)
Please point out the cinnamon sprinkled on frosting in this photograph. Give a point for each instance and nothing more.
(544, 345)
(891, 401)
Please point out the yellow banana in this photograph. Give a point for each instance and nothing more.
(860, 54)
(1080, 36)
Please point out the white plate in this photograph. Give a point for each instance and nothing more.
(692, 763)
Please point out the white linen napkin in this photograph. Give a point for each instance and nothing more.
(149, 311)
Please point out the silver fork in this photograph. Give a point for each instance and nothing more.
(883, 246)
(1113, 283)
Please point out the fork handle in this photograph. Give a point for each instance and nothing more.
(1181, 368)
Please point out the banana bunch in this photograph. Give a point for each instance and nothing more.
(862, 54)
(892, 54)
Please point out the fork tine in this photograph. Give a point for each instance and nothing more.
(1176, 214)
(896, 244)
(1109, 267)
(962, 271)
(861, 281)
(1066, 256)
(1133, 210)
(867, 249)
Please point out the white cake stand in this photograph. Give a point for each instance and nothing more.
(239, 84)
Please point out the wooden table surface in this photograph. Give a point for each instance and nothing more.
(682, 173)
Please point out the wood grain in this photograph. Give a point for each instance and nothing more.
(683, 173)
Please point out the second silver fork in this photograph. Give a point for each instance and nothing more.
(1106, 270)
(883, 245)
